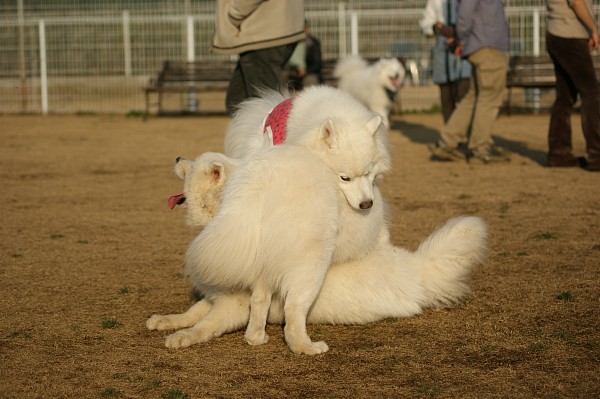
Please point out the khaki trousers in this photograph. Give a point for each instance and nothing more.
(472, 121)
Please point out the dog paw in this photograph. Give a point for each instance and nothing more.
(256, 338)
(158, 322)
(180, 339)
(313, 348)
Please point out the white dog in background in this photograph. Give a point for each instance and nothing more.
(374, 85)
(388, 281)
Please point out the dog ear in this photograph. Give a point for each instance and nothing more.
(182, 167)
(374, 123)
(327, 133)
(217, 172)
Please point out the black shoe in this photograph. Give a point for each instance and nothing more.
(570, 162)
(443, 153)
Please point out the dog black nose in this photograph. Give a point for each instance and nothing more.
(366, 204)
(178, 159)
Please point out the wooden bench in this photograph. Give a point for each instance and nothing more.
(187, 77)
(534, 72)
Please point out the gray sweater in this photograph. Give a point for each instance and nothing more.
(482, 23)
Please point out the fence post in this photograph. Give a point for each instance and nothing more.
(43, 67)
(192, 101)
(342, 27)
(535, 95)
(354, 33)
(22, 73)
(127, 43)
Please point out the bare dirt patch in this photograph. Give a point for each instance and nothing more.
(89, 250)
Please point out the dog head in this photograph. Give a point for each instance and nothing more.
(359, 155)
(203, 181)
(392, 73)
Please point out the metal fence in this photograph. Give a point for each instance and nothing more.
(97, 59)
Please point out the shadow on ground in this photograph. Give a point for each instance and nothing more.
(422, 134)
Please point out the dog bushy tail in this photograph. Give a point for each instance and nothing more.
(447, 258)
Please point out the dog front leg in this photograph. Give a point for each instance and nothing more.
(260, 301)
(180, 320)
(230, 312)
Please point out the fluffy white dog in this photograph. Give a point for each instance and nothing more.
(249, 244)
(388, 281)
(276, 118)
(374, 85)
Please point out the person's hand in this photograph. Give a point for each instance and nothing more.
(443, 30)
(594, 41)
(455, 47)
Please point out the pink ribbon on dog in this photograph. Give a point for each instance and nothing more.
(276, 122)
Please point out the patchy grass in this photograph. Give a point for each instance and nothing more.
(174, 393)
(546, 235)
(110, 323)
(565, 296)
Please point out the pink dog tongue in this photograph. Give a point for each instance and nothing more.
(174, 200)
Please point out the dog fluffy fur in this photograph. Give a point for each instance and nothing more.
(232, 252)
(374, 85)
(388, 281)
(359, 175)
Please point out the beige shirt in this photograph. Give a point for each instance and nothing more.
(244, 25)
(561, 20)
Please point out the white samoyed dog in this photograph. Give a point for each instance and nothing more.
(249, 245)
(388, 281)
(374, 85)
(276, 118)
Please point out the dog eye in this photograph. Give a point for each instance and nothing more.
(345, 178)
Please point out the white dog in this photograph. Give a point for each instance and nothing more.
(374, 85)
(385, 282)
(275, 118)
(249, 244)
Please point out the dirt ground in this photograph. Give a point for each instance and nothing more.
(89, 250)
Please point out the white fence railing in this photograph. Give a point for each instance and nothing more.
(100, 63)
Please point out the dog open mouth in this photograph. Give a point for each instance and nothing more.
(395, 80)
(175, 200)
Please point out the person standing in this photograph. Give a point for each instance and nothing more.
(264, 34)
(482, 32)
(571, 34)
(450, 72)
(305, 65)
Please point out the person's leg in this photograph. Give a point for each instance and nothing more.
(455, 130)
(575, 69)
(490, 73)
(462, 87)
(560, 151)
(236, 90)
(447, 100)
(257, 70)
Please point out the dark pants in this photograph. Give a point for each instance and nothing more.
(451, 94)
(254, 71)
(575, 75)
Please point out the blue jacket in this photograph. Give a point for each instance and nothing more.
(482, 23)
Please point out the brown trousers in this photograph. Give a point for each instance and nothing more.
(575, 76)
